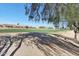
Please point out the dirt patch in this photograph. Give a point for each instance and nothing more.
(41, 44)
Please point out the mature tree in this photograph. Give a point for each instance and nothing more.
(17, 23)
(43, 12)
(54, 13)
(72, 16)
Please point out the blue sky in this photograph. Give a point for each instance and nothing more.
(13, 13)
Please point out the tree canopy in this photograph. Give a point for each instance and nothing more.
(54, 12)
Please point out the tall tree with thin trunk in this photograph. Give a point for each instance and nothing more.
(54, 13)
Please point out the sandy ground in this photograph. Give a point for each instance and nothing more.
(69, 34)
(25, 50)
(28, 48)
(13, 34)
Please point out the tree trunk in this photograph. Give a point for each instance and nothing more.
(75, 35)
(75, 29)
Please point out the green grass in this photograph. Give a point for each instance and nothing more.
(30, 30)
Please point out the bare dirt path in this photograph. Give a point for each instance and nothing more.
(41, 44)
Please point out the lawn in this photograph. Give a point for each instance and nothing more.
(30, 30)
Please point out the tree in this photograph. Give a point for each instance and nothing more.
(54, 13)
(72, 16)
(17, 23)
(46, 14)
